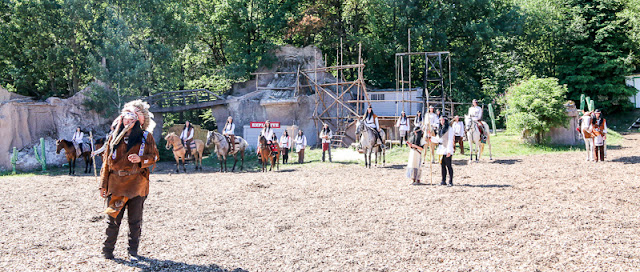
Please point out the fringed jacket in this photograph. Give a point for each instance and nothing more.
(119, 176)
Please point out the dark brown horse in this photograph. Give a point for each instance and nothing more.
(266, 155)
(70, 153)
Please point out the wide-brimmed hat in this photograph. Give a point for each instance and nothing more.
(597, 111)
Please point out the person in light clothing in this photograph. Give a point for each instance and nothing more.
(230, 132)
(301, 143)
(326, 135)
(432, 120)
(371, 121)
(475, 112)
(417, 121)
(458, 133)
(445, 148)
(285, 144)
(268, 134)
(78, 138)
(599, 128)
(403, 127)
(416, 142)
(187, 137)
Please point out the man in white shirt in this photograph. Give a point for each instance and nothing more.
(458, 133)
(475, 112)
(230, 132)
(187, 137)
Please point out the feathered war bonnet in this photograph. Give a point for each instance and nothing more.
(140, 109)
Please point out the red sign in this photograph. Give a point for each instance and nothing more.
(261, 125)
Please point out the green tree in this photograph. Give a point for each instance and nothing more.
(535, 105)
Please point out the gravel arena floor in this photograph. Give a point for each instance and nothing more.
(551, 212)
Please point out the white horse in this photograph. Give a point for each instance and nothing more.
(369, 143)
(473, 135)
(587, 137)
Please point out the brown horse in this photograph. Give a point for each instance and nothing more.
(70, 153)
(266, 155)
(179, 151)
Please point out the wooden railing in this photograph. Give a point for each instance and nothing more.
(175, 101)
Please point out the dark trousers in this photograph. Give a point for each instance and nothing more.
(599, 153)
(328, 150)
(285, 155)
(134, 213)
(458, 140)
(446, 166)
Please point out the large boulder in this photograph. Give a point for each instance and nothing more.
(24, 122)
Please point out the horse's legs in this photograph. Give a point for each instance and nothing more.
(235, 161)
(70, 164)
(242, 161)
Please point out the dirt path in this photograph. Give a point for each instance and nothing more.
(543, 212)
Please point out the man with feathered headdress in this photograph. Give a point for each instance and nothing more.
(131, 151)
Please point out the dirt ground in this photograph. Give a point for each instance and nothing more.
(542, 212)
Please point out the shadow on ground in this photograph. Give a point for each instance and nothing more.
(627, 160)
(509, 162)
(151, 264)
(485, 185)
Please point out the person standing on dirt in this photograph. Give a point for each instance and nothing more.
(445, 138)
(415, 143)
(458, 133)
(301, 143)
(403, 127)
(131, 151)
(326, 135)
(285, 144)
(229, 132)
(187, 137)
(599, 128)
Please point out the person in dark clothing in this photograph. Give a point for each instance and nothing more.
(445, 137)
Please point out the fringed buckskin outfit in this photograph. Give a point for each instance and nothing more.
(127, 183)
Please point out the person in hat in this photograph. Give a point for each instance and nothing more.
(599, 128)
(445, 149)
(187, 137)
(403, 127)
(229, 132)
(458, 133)
(326, 135)
(415, 143)
(432, 120)
(77, 140)
(301, 143)
(285, 144)
(371, 121)
(475, 112)
(131, 151)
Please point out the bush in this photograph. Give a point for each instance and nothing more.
(535, 105)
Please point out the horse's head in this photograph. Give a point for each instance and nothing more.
(169, 138)
(262, 140)
(214, 137)
(359, 127)
(586, 122)
(58, 146)
(209, 138)
(467, 122)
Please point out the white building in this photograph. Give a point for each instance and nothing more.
(634, 81)
(388, 102)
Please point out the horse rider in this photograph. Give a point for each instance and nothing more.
(417, 121)
(268, 134)
(599, 128)
(77, 141)
(326, 135)
(432, 119)
(458, 133)
(229, 133)
(475, 112)
(371, 121)
(403, 127)
(446, 149)
(285, 143)
(131, 151)
(187, 137)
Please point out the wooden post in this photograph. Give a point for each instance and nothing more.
(93, 157)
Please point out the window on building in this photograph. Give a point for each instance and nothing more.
(377, 96)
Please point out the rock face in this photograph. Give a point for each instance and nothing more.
(24, 121)
(277, 98)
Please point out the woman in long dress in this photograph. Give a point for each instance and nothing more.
(416, 143)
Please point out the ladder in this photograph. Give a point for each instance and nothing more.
(336, 140)
(635, 125)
